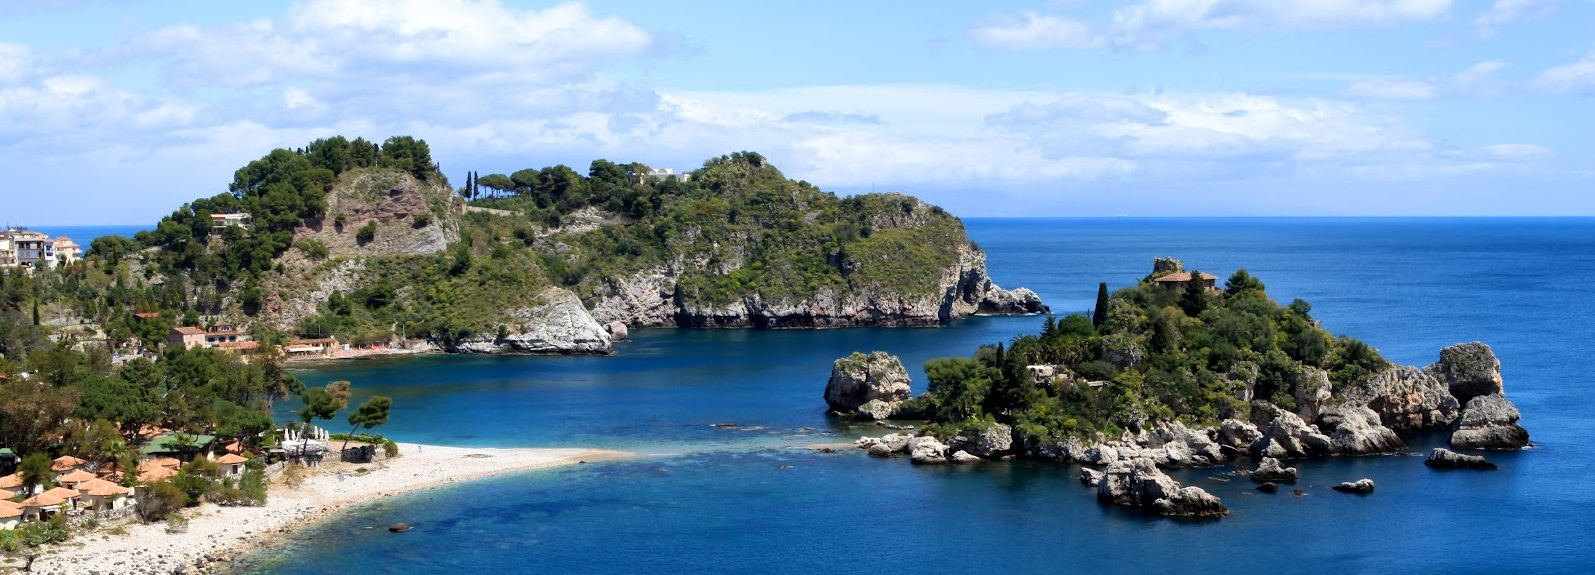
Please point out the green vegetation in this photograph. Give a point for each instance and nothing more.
(1154, 354)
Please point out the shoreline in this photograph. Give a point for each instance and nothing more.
(217, 535)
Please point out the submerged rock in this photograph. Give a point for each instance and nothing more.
(1442, 458)
(1489, 422)
(1269, 487)
(1362, 486)
(1270, 471)
(399, 527)
(859, 379)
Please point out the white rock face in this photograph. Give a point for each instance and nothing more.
(868, 386)
(927, 450)
(561, 325)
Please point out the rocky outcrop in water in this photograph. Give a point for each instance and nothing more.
(560, 325)
(998, 301)
(1270, 471)
(1139, 483)
(1468, 370)
(1442, 458)
(926, 450)
(1355, 430)
(1288, 437)
(1362, 486)
(1407, 399)
(1489, 422)
(991, 440)
(867, 386)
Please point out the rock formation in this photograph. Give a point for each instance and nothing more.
(560, 325)
(1287, 436)
(1139, 483)
(926, 450)
(1442, 458)
(992, 440)
(1362, 486)
(617, 331)
(1468, 370)
(1407, 399)
(1355, 430)
(1489, 422)
(867, 386)
(1270, 471)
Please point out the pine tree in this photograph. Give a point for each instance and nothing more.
(1100, 315)
(1194, 300)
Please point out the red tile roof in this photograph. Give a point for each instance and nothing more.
(1184, 277)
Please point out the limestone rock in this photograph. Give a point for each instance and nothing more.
(875, 410)
(999, 301)
(1468, 370)
(1442, 458)
(994, 439)
(858, 379)
(1270, 471)
(1139, 483)
(1355, 430)
(1180, 446)
(560, 325)
(962, 456)
(1101, 454)
(1407, 399)
(1287, 436)
(1269, 487)
(1362, 486)
(617, 331)
(1238, 435)
(1312, 390)
(1489, 422)
(880, 450)
(927, 450)
(1090, 477)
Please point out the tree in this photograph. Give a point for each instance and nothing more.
(34, 471)
(498, 183)
(1242, 282)
(318, 405)
(1194, 300)
(339, 390)
(470, 180)
(372, 413)
(1099, 315)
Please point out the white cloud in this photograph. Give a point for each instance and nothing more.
(1479, 80)
(1032, 31)
(1504, 12)
(1577, 77)
(1152, 24)
(1390, 89)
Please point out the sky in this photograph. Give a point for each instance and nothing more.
(119, 111)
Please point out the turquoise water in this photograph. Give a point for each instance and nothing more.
(711, 500)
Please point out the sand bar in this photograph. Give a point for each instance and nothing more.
(222, 533)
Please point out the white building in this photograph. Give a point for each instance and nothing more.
(219, 222)
(25, 248)
(666, 174)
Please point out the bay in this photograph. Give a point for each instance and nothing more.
(705, 499)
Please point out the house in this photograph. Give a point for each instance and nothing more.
(147, 315)
(167, 445)
(319, 347)
(219, 222)
(66, 464)
(1177, 280)
(224, 338)
(45, 505)
(24, 248)
(12, 484)
(665, 174)
(154, 473)
(231, 465)
(76, 477)
(10, 514)
(101, 496)
(67, 251)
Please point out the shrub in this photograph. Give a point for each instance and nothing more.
(390, 447)
(10, 541)
(312, 248)
(158, 500)
(293, 476)
(367, 232)
(253, 486)
(176, 523)
(422, 219)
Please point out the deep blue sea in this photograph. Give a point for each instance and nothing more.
(707, 500)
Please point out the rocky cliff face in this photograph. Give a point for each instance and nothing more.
(868, 386)
(651, 298)
(411, 217)
(560, 325)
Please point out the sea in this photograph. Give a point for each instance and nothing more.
(702, 498)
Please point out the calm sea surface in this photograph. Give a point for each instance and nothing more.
(709, 500)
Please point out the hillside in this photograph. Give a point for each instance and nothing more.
(371, 244)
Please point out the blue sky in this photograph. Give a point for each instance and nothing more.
(117, 111)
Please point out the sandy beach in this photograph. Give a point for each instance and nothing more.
(218, 534)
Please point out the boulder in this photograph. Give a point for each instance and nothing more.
(1407, 399)
(999, 301)
(1468, 370)
(880, 450)
(617, 331)
(1442, 458)
(1269, 487)
(1238, 435)
(1139, 483)
(1270, 471)
(1489, 422)
(1101, 454)
(399, 527)
(991, 439)
(859, 379)
(1181, 446)
(1355, 430)
(927, 450)
(1287, 436)
(962, 456)
(1090, 477)
(1362, 486)
(874, 410)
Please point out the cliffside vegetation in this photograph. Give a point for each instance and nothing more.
(1155, 353)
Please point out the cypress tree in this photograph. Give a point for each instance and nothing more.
(1194, 300)
(1100, 315)
(470, 181)
(35, 311)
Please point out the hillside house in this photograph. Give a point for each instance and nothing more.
(223, 337)
(1177, 280)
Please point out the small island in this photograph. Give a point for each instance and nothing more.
(1177, 371)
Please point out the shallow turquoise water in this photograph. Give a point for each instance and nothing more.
(739, 501)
